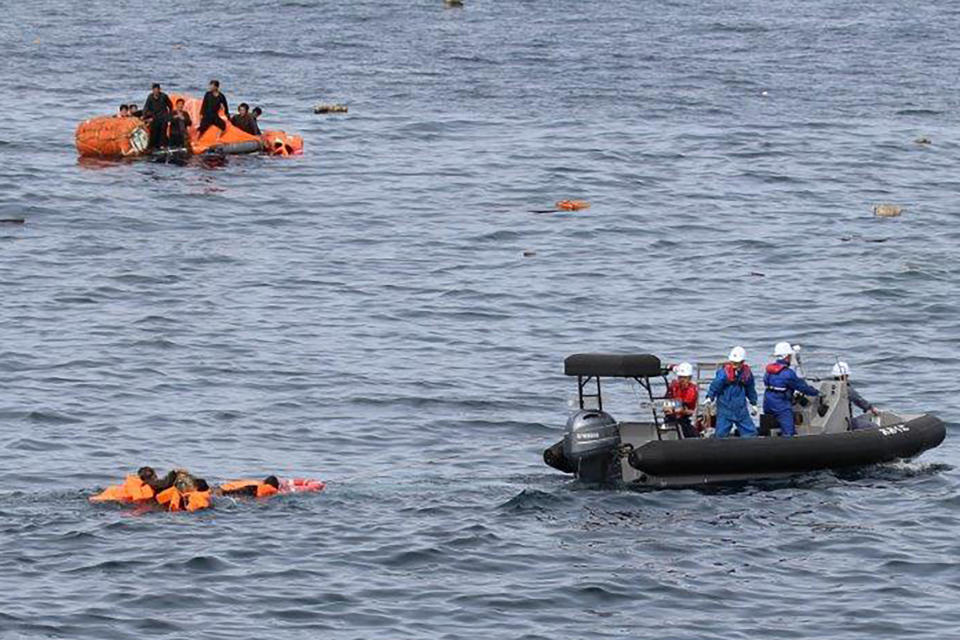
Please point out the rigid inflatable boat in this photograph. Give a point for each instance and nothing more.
(654, 452)
(114, 137)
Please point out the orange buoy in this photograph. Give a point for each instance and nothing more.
(572, 205)
(112, 137)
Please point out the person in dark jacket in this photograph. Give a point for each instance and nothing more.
(155, 112)
(244, 121)
(213, 100)
(134, 111)
(841, 371)
(781, 383)
(180, 123)
(732, 388)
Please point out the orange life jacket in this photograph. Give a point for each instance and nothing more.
(133, 489)
(263, 489)
(189, 500)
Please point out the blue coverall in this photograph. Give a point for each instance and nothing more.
(731, 389)
(781, 382)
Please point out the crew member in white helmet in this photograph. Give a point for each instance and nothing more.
(841, 371)
(732, 388)
(685, 392)
(781, 383)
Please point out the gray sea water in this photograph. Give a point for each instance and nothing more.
(365, 314)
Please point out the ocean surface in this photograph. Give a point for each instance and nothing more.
(386, 314)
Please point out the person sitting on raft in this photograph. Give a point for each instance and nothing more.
(251, 488)
(781, 382)
(841, 371)
(155, 112)
(244, 121)
(180, 123)
(686, 394)
(123, 112)
(732, 387)
(257, 112)
(210, 108)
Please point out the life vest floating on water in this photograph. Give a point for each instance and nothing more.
(572, 205)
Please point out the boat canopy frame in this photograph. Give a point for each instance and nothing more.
(641, 367)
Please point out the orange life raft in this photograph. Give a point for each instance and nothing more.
(116, 137)
(112, 137)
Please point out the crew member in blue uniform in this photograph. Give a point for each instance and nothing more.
(732, 387)
(781, 383)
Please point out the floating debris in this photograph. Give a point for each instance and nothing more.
(529, 253)
(887, 210)
(572, 205)
(453, 3)
(757, 274)
(330, 108)
(12, 221)
(923, 140)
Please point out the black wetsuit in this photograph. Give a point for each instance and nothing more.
(210, 111)
(246, 123)
(179, 124)
(157, 109)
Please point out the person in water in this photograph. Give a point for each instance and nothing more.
(213, 100)
(250, 488)
(124, 111)
(156, 109)
(244, 121)
(180, 123)
(732, 388)
(684, 391)
(841, 371)
(781, 383)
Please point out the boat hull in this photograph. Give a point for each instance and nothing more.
(693, 462)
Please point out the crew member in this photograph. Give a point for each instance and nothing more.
(781, 383)
(155, 112)
(732, 388)
(244, 121)
(685, 392)
(841, 371)
(213, 100)
(180, 124)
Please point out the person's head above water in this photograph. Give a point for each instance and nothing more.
(256, 112)
(273, 481)
(147, 474)
(202, 485)
(215, 86)
(243, 108)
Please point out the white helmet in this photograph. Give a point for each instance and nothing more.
(841, 369)
(738, 354)
(683, 370)
(783, 349)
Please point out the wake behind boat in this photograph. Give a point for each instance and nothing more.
(657, 453)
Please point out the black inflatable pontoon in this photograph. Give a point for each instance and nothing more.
(597, 448)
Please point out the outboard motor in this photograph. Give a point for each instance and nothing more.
(590, 446)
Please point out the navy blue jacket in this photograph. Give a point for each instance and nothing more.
(781, 382)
